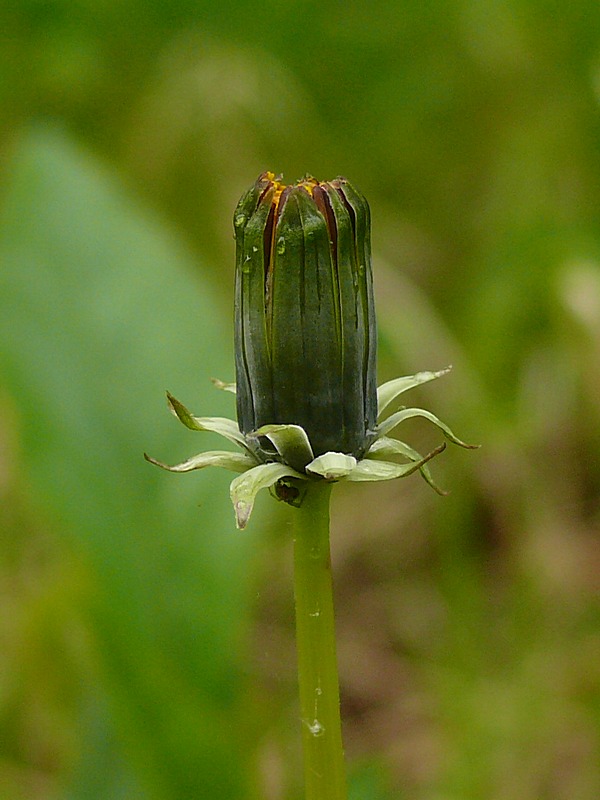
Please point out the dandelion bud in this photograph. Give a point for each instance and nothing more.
(305, 331)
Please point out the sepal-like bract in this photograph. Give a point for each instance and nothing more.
(292, 463)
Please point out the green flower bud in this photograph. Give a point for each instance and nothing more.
(305, 330)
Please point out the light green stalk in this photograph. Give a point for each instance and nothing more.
(324, 770)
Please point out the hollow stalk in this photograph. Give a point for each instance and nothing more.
(324, 769)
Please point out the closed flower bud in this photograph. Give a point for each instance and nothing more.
(305, 331)
(305, 345)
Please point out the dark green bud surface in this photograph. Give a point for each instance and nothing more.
(305, 331)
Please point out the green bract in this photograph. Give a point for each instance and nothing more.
(305, 349)
(277, 463)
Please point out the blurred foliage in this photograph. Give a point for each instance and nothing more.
(147, 648)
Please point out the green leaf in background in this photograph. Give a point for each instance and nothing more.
(101, 310)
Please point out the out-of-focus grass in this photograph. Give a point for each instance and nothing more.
(147, 649)
(135, 584)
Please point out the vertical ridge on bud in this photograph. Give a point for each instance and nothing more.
(305, 331)
(360, 215)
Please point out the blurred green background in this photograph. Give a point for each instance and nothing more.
(146, 647)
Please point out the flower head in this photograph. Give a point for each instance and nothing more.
(305, 331)
(305, 349)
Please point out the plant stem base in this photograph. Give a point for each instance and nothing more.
(324, 770)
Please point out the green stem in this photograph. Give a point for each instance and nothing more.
(324, 770)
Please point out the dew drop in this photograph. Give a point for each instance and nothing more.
(240, 220)
(281, 245)
(316, 728)
(254, 248)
